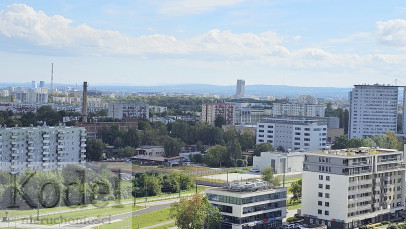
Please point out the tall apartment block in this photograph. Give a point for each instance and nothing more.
(41, 148)
(249, 205)
(293, 134)
(373, 110)
(350, 188)
(240, 89)
(211, 110)
(122, 110)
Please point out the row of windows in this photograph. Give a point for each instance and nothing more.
(247, 200)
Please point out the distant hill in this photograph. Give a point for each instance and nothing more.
(257, 90)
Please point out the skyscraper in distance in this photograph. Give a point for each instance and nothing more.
(240, 89)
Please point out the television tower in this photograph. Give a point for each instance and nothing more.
(52, 77)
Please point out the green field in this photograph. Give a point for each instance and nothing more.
(95, 212)
(144, 220)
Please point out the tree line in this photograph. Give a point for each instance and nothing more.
(387, 141)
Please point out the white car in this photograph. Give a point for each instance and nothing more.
(254, 170)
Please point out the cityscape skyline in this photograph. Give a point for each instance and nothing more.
(209, 42)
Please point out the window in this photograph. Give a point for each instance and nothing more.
(326, 213)
(327, 195)
(320, 203)
(319, 211)
(327, 186)
(320, 194)
(321, 177)
(327, 177)
(320, 185)
(327, 204)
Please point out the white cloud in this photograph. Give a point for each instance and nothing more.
(350, 38)
(40, 32)
(182, 7)
(392, 33)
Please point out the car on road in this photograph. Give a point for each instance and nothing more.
(254, 170)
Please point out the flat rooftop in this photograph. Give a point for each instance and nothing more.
(356, 152)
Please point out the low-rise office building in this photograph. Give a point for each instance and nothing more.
(281, 162)
(350, 188)
(249, 205)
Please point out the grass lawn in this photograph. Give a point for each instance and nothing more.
(166, 226)
(293, 205)
(96, 212)
(144, 220)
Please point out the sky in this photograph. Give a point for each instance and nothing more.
(335, 43)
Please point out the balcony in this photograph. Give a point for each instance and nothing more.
(386, 178)
(82, 145)
(30, 159)
(353, 209)
(31, 154)
(30, 142)
(45, 164)
(14, 149)
(45, 153)
(83, 150)
(45, 147)
(83, 134)
(83, 156)
(365, 198)
(61, 147)
(45, 141)
(45, 159)
(359, 191)
(363, 207)
(30, 147)
(13, 136)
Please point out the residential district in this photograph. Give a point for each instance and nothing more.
(81, 158)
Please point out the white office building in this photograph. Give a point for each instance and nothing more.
(249, 205)
(41, 148)
(350, 188)
(373, 110)
(293, 134)
(281, 162)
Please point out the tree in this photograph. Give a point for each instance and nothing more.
(214, 155)
(247, 140)
(194, 213)
(280, 148)
(267, 175)
(94, 149)
(296, 190)
(263, 147)
(340, 142)
(172, 146)
(219, 121)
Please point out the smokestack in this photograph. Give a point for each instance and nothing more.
(84, 110)
(52, 77)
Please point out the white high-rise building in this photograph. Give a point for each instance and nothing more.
(294, 134)
(240, 89)
(373, 110)
(346, 189)
(41, 148)
(211, 110)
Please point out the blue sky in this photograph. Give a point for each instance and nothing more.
(158, 42)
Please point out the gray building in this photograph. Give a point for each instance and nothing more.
(41, 148)
(128, 110)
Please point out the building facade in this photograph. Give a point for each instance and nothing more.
(41, 148)
(294, 134)
(373, 110)
(240, 89)
(245, 207)
(128, 110)
(279, 161)
(298, 109)
(211, 110)
(347, 189)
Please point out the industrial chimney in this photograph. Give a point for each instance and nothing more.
(84, 103)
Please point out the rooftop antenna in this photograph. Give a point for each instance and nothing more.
(52, 77)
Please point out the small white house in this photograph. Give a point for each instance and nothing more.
(279, 161)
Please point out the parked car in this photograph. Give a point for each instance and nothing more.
(254, 170)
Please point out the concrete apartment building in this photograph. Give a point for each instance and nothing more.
(298, 109)
(280, 162)
(350, 188)
(294, 134)
(211, 110)
(41, 148)
(249, 205)
(128, 110)
(373, 110)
